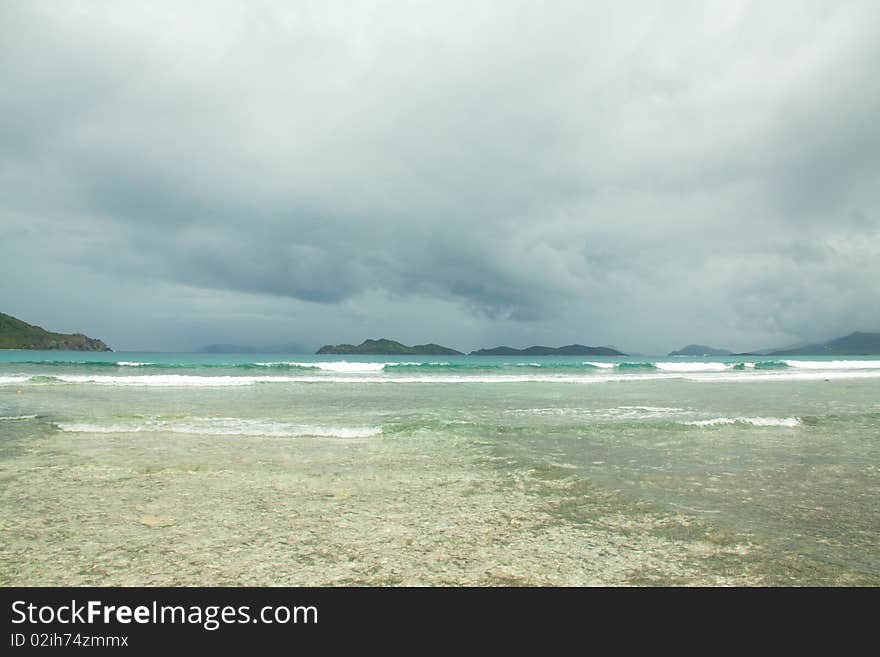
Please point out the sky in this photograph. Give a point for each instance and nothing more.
(637, 174)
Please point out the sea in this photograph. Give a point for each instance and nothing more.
(248, 469)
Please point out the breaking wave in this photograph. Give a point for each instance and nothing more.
(153, 372)
(834, 364)
(334, 366)
(222, 426)
(761, 365)
(692, 367)
(789, 422)
(13, 380)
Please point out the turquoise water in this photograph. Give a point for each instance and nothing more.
(142, 468)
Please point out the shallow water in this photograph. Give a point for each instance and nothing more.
(219, 470)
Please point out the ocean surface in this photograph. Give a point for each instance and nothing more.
(220, 469)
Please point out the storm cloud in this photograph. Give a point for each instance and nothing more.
(643, 174)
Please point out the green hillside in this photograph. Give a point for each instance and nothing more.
(16, 334)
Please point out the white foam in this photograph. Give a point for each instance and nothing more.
(340, 366)
(617, 413)
(803, 375)
(12, 380)
(604, 366)
(18, 417)
(126, 363)
(162, 380)
(425, 376)
(640, 412)
(790, 422)
(184, 380)
(630, 413)
(222, 426)
(834, 364)
(653, 409)
(352, 368)
(692, 367)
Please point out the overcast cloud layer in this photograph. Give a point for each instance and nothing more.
(642, 174)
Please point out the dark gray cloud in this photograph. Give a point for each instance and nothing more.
(645, 175)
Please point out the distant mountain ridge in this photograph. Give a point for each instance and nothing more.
(858, 343)
(385, 347)
(17, 334)
(854, 344)
(567, 350)
(697, 350)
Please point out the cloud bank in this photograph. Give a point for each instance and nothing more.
(641, 174)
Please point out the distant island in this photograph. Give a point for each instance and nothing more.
(854, 344)
(568, 350)
(697, 350)
(16, 334)
(385, 347)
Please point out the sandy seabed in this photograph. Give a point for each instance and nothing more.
(256, 511)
